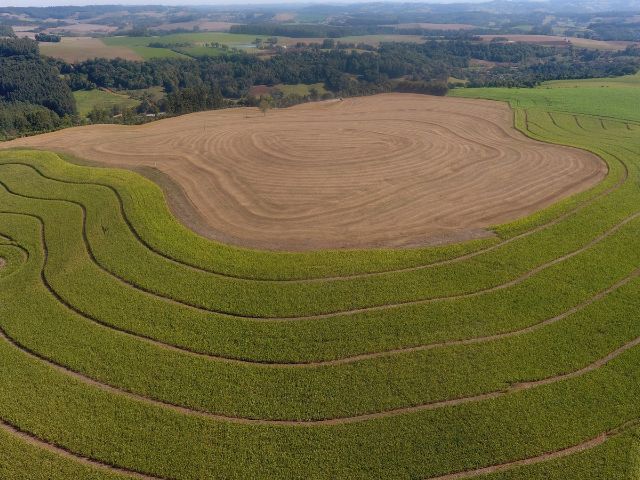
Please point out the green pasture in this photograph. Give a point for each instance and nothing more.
(87, 100)
(140, 45)
(302, 89)
(624, 81)
(130, 345)
(377, 39)
(201, 51)
(613, 98)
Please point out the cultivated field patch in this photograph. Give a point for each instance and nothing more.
(87, 100)
(131, 347)
(77, 49)
(390, 170)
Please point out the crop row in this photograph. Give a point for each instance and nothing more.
(105, 352)
(107, 238)
(43, 325)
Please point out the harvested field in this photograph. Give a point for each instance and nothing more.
(132, 348)
(82, 29)
(284, 17)
(77, 49)
(384, 171)
(435, 26)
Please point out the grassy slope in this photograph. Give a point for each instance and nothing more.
(625, 81)
(140, 44)
(86, 100)
(234, 40)
(107, 291)
(302, 89)
(594, 97)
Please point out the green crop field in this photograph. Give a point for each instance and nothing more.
(624, 81)
(130, 347)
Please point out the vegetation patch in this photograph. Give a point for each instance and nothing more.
(131, 347)
(87, 100)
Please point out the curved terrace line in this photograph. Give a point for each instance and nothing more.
(130, 225)
(411, 150)
(565, 452)
(513, 388)
(38, 442)
(333, 421)
(333, 362)
(458, 475)
(347, 312)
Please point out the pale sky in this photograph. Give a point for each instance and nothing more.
(49, 3)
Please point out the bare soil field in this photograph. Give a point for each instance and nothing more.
(284, 17)
(25, 31)
(77, 49)
(390, 170)
(82, 28)
(558, 40)
(435, 26)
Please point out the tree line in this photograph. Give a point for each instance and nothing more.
(29, 83)
(33, 95)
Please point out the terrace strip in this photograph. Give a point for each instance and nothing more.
(520, 386)
(434, 404)
(388, 306)
(591, 442)
(565, 452)
(63, 452)
(516, 281)
(551, 455)
(503, 286)
(340, 361)
(460, 258)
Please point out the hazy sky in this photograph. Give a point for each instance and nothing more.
(48, 3)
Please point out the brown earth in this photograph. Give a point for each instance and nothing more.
(82, 28)
(77, 49)
(434, 26)
(390, 170)
(284, 17)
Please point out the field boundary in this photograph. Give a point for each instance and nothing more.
(621, 181)
(346, 312)
(66, 453)
(513, 388)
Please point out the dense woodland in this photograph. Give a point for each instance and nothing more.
(33, 95)
(347, 72)
(36, 93)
